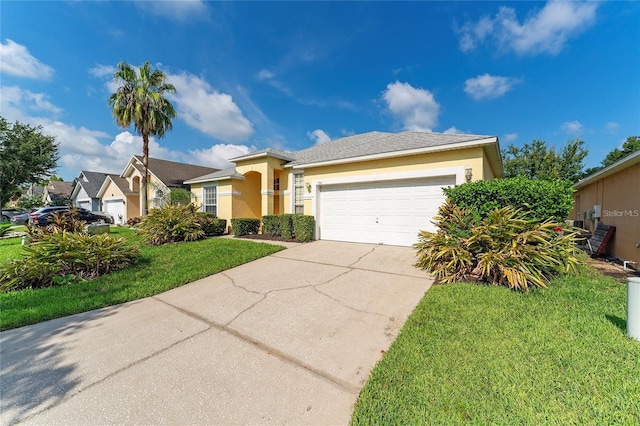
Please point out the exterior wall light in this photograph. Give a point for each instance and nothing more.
(468, 174)
(308, 187)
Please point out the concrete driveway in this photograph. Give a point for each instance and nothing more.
(290, 338)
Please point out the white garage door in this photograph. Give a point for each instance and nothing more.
(387, 212)
(115, 208)
(84, 204)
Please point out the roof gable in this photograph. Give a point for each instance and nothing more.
(90, 182)
(620, 165)
(172, 174)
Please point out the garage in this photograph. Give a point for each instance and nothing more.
(84, 204)
(115, 208)
(381, 212)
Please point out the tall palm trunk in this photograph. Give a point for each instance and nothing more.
(145, 175)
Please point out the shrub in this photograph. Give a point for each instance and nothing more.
(63, 257)
(506, 249)
(303, 227)
(170, 224)
(286, 226)
(133, 221)
(210, 224)
(4, 229)
(66, 221)
(179, 196)
(271, 225)
(538, 200)
(245, 226)
(28, 202)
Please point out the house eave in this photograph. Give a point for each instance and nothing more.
(217, 179)
(394, 154)
(622, 164)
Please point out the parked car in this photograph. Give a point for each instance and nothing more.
(22, 218)
(43, 216)
(8, 213)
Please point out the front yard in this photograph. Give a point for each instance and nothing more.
(473, 354)
(160, 268)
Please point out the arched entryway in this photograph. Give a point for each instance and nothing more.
(249, 203)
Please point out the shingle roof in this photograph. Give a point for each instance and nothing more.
(373, 143)
(268, 151)
(173, 174)
(121, 183)
(59, 189)
(93, 183)
(366, 144)
(226, 173)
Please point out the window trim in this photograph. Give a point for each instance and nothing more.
(215, 200)
(298, 202)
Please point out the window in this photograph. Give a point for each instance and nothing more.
(276, 184)
(298, 186)
(158, 199)
(210, 200)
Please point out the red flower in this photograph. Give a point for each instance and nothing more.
(557, 229)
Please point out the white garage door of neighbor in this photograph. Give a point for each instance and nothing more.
(382, 212)
(114, 208)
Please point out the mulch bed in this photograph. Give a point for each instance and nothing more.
(267, 237)
(612, 269)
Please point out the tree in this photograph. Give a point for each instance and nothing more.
(536, 160)
(631, 145)
(139, 100)
(26, 156)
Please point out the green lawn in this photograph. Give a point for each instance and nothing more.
(161, 268)
(485, 355)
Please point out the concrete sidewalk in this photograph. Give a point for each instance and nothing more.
(290, 338)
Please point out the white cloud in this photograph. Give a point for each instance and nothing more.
(206, 109)
(15, 101)
(572, 127)
(218, 155)
(612, 126)
(487, 86)
(102, 71)
(546, 31)
(510, 137)
(453, 131)
(416, 108)
(265, 74)
(16, 60)
(319, 136)
(180, 11)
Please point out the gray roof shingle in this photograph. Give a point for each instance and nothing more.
(94, 181)
(355, 146)
(173, 174)
(373, 143)
(226, 173)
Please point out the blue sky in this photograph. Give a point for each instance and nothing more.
(289, 75)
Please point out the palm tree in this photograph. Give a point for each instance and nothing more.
(140, 100)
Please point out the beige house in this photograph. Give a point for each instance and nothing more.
(375, 187)
(120, 195)
(611, 196)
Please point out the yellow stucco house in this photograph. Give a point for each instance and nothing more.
(375, 187)
(120, 195)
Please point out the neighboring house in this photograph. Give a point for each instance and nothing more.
(35, 190)
(85, 190)
(120, 195)
(56, 191)
(375, 187)
(118, 199)
(611, 196)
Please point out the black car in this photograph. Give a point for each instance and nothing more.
(8, 213)
(44, 215)
(22, 218)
